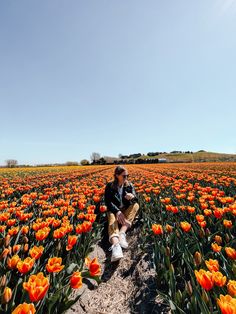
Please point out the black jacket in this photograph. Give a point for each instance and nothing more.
(112, 197)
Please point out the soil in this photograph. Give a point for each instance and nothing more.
(128, 286)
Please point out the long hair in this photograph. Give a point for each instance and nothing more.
(118, 170)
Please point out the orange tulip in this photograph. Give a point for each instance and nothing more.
(219, 279)
(12, 262)
(71, 242)
(25, 229)
(79, 228)
(96, 198)
(215, 247)
(185, 226)
(202, 224)
(36, 251)
(227, 304)
(4, 253)
(24, 308)
(205, 279)
(54, 265)
(200, 218)
(93, 265)
(103, 208)
(231, 253)
(76, 280)
(227, 223)
(59, 233)
(87, 226)
(7, 295)
(42, 234)
(218, 239)
(231, 286)
(157, 229)
(207, 212)
(16, 248)
(212, 265)
(166, 200)
(37, 286)
(169, 228)
(25, 265)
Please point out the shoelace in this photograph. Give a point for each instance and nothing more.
(111, 247)
(123, 235)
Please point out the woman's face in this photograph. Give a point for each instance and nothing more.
(122, 177)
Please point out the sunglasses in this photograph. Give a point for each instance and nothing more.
(125, 175)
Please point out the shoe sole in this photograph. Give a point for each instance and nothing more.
(124, 247)
(114, 259)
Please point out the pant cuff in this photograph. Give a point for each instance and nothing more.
(113, 235)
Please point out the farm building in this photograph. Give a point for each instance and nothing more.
(162, 160)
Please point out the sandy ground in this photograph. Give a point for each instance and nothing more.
(128, 286)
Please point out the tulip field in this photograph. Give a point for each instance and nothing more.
(50, 218)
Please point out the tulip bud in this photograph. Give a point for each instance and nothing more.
(179, 296)
(4, 253)
(218, 239)
(25, 239)
(7, 240)
(167, 251)
(189, 288)
(58, 248)
(7, 295)
(3, 280)
(207, 232)
(172, 268)
(227, 238)
(10, 249)
(16, 248)
(26, 247)
(201, 233)
(197, 258)
(205, 297)
(234, 268)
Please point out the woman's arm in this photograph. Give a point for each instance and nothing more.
(107, 198)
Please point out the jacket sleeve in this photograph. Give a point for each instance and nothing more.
(107, 198)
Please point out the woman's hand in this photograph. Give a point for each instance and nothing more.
(129, 196)
(120, 218)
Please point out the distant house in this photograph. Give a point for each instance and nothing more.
(162, 160)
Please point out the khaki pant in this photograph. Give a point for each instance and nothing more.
(129, 213)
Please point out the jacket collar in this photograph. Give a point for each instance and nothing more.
(115, 189)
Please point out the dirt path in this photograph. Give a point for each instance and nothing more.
(128, 286)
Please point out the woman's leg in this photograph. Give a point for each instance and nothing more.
(130, 214)
(113, 229)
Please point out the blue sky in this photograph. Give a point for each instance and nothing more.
(114, 77)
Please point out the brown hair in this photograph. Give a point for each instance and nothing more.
(118, 170)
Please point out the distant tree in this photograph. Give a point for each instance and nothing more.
(102, 161)
(72, 163)
(11, 163)
(84, 162)
(95, 157)
(120, 155)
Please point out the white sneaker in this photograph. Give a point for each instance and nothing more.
(116, 252)
(123, 243)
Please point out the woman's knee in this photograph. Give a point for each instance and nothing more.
(136, 206)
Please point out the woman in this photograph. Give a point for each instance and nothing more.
(122, 206)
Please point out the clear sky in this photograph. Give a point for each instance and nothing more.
(124, 76)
